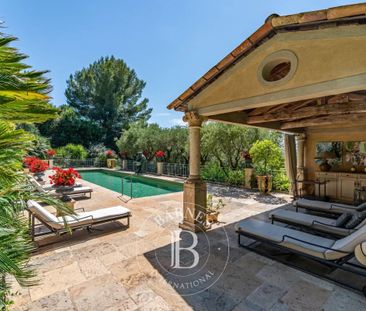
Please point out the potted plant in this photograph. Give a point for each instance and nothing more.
(248, 168)
(123, 155)
(160, 157)
(64, 180)
(111, 158)
(37, 167)
(27, 161)
(267, 157)
(50, 154)
(213, 210)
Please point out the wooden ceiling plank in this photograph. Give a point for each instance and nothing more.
(345, 119)
(307, 112)
(260, 110)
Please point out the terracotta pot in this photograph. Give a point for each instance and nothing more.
(159, 168)
(264, 183)
(248, 173)
(213, 217)
(111, 163)
(60, 189)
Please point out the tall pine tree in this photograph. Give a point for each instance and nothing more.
(108, 92)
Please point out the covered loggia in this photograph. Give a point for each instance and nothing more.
(303, 74)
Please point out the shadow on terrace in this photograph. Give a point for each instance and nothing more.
(215, 273)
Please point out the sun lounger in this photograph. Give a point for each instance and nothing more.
(313, 222)
(48, 187)
(328, 207)
(331, 252)
(83, 220)
(76, 191)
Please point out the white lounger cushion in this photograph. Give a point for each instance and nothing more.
(76, 190)
(97, 215)
(79, 218)
(49, 189)
(278, 235)
(325, 206)
(44, 215)
(311, 221)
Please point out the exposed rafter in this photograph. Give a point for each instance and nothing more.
(310, 111)
(344, 119)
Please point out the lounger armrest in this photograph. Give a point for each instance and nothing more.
(77, 219)
(80, 209)
(341, 206)
(85, 217)
(322, 223)
(309, 243)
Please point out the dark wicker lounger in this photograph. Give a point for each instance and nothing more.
(331, 252)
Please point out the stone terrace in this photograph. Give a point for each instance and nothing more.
(113, 269)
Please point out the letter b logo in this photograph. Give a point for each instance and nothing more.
(176, 249)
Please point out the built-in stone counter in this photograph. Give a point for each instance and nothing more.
(340, 185)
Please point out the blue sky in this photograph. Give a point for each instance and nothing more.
(170, 43)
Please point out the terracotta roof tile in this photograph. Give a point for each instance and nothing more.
(286, 20)
(271, 24)
(345, 11)
(200, 82)
(313, 16)
(175, 103)
(225, 61)
(244, 46)
(262, 32)
(212, 72)
(186, 94)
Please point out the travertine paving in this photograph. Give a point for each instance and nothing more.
(116, 268)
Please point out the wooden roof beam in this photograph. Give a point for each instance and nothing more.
(343, 119)
(307, 112)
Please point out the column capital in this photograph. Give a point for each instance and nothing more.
(193, 118)
(301, 137)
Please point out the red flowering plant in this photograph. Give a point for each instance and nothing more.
(123, 155)
(27, 161)
(247, 159)
(160, 155)
(51, 153)
(38, 166)
(110, 154)
(65, 177)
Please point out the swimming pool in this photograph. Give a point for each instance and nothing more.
(141, 186)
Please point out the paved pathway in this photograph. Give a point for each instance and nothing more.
(118, 269)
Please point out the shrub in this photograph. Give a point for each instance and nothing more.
(40, 146)
(280, 181)
(267, 157)
(213, 172)
(235, 178)
(72, 151)
(96, 150)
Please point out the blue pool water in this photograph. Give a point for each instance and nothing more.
(141, 186)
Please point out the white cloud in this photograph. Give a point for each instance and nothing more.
(177, 121)
(161, 114)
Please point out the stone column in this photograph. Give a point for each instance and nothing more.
(300, 175)
(194, 197)
(124, 164)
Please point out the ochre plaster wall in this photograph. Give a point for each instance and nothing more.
(323, 55)
(318, 135)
